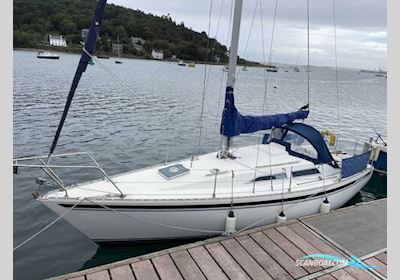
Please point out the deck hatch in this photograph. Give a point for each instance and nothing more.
(270, 177)
(305, 172)
(173, 171)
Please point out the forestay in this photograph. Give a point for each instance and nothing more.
(89, 48)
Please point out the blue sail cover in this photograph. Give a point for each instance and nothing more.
(233, 123)
(90, 45)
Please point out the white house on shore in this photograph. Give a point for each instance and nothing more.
(157, 54)
(138, 43)
(117, 48)
(58, 41)
(84, 33)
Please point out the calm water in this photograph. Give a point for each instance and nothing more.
(131, 129)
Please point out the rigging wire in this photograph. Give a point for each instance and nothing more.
(197, 145)
(215, 41)
(248, 36)
(336, 76)
(266, 78)
(109, 72)
(222, 77)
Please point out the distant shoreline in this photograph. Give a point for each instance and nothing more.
(112, 55)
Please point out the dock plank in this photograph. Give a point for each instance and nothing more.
(253, 269)
(166, 268)
(342, 275)
(144, 270)
(226, 262)
(291, 249)
(207, 264)
(375, 261)
(122, 272)
(317, 242)
(326, 277)
(77, 278)
(186, 265)
(279, 255)
(382, 257)
(265, 260)
(357, 273)
(100, 275)
(297, 240)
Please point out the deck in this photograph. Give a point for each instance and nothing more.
(268, 252)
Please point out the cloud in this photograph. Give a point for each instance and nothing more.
(361, 28)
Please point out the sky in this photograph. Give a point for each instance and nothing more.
(361, 36)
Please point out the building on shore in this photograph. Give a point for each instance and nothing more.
(138, 43)
(117, 48)
(58, 41)
(157, 54)
(84, 33)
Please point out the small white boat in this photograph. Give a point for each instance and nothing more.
(291, 173)
(271, 68)
(296, 68)
(181, 63)
(191, 64)
(47, 55)
(118, 60)
(225, 68)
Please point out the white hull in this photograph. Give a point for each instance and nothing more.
(152, 223)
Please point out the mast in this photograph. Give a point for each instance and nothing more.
(233, 51)
(118, 45)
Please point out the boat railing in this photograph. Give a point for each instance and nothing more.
(285, 178)
(49, 169)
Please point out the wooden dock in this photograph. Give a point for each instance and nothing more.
(268, 252)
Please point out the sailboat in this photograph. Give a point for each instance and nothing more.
(118, 60)
(296, 68)
(290, 174)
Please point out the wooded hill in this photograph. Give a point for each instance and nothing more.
(34, 20)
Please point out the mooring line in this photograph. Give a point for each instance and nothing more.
(46, 227)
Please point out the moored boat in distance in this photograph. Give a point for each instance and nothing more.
(378, 73)
(271, 68)
(181, 63)
(47, 55)
(191, 64)
(118, 60)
